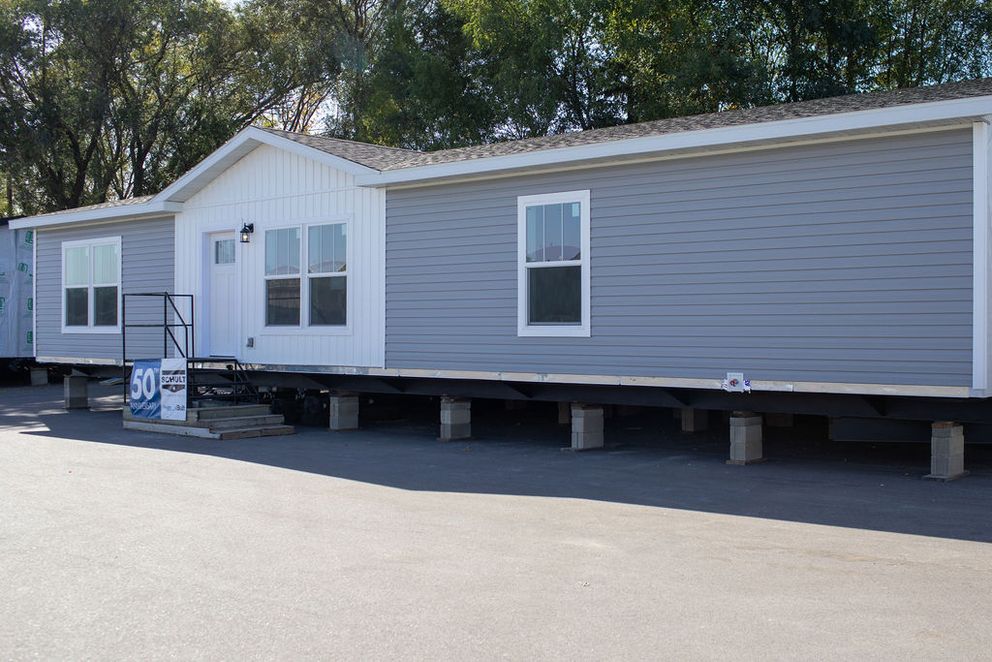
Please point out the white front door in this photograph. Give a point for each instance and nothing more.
(222, 297)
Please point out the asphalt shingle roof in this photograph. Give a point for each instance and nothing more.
(377, 157)
(383, 158)
(389, 158)
(102, 205)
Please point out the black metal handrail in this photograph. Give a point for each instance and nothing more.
(186, 350)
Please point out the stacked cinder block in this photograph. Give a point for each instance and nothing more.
(587, 427)
(344, 412)
(456, 419)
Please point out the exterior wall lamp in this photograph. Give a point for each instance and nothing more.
(246, 231)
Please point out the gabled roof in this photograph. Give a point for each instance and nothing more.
(951, 104)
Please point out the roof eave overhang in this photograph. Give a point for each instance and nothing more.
(934, 114)
(145, 210)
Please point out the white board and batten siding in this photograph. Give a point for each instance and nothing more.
(272, 188)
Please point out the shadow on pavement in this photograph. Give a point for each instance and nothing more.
(648, 463)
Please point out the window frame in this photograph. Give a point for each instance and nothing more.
(304, 327)
(90, 299)
(524, 328)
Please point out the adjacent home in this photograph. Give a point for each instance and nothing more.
(826, 257)
(16, 293)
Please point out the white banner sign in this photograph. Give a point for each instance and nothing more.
(173, 380)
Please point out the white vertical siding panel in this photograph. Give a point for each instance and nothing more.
(272, 188)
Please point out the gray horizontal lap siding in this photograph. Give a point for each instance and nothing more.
(148, 258)
(845, 262)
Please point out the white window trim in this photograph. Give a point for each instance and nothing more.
(304, 327)
(544, 330)
(91, 243)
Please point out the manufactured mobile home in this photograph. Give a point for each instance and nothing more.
(828, 257)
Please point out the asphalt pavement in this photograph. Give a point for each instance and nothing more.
(384, 543)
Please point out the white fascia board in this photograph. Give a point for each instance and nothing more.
(152, 208)
(894, 117)
(240, 145)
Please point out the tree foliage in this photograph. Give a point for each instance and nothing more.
(109, 98)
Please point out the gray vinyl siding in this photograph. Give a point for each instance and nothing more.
(147, 265)
(844, 262)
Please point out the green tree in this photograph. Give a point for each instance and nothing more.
(421, 93)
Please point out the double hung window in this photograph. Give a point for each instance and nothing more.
(91, 278)
(553, 264)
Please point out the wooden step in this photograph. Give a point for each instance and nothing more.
(247, 433)
(206, 433)
(241, 422)
(226, 411)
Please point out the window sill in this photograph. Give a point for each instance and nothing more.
(269, 331)
(553, 332)
(105, 330)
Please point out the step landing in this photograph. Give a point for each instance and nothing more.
(218, 422)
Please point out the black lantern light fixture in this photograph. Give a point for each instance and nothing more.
(246, 231)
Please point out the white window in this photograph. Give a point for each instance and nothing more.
(324, 285)
(553, 264)
(91, 280)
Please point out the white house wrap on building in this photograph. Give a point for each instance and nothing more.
(833, 246)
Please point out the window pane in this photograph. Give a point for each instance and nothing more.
(327, 247)
(77, 266)
(552, 233)
(282, 302)
(554, 295)
(224, 251)
(572, 232)
(282, 252)
(105, 261)
(104, 306)
(77, 307)
(535, 234)
(329, 301)
(340, 256)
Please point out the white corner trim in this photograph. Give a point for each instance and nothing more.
(894, 117)
(524, 329)
(982, 256)
(122, 212)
